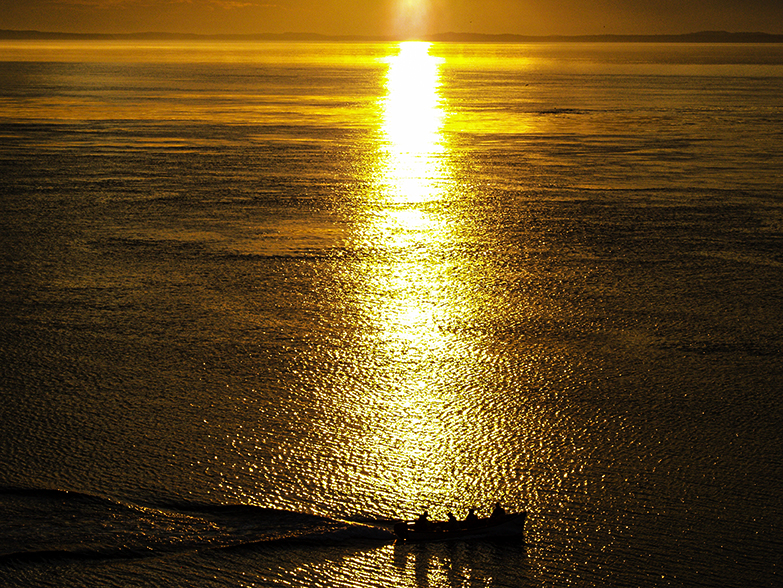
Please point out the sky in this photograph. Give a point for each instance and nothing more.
(394, 17)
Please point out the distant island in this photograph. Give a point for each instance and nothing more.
(700, 37)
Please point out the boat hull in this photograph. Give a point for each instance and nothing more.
(510, 525)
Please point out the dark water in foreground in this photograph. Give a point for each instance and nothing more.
(258, 300)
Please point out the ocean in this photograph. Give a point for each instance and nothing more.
(261, 300)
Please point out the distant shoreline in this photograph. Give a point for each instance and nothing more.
(700, 37)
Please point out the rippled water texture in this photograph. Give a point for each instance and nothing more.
(253, 291)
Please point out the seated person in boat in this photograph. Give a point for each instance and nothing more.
(421, 523)
(452, 524)
(498, 512)
(471, 520)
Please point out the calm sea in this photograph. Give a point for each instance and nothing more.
(258, 300)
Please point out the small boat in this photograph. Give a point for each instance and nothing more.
(507, 525)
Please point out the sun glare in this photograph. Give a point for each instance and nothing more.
(412, 180)
(412, 17)
(413, 119)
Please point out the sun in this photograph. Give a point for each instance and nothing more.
(412, 18)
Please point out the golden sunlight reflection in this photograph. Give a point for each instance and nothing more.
(412, 418)
(413, 118)
(430, 428)
(405, 394)
(406, 221)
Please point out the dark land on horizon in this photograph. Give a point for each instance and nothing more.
(700, 37)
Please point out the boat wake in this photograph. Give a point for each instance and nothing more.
(47, 525)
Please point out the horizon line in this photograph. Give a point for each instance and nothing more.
(695, 37)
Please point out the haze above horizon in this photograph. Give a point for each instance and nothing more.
(393, 18)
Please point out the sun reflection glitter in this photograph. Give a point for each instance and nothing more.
(413, 118)
(407, 287)
(407, 224)
(394, 402)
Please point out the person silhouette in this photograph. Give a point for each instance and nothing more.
(498, 512)
(421, 523)
(452, 524)
(471, 520)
